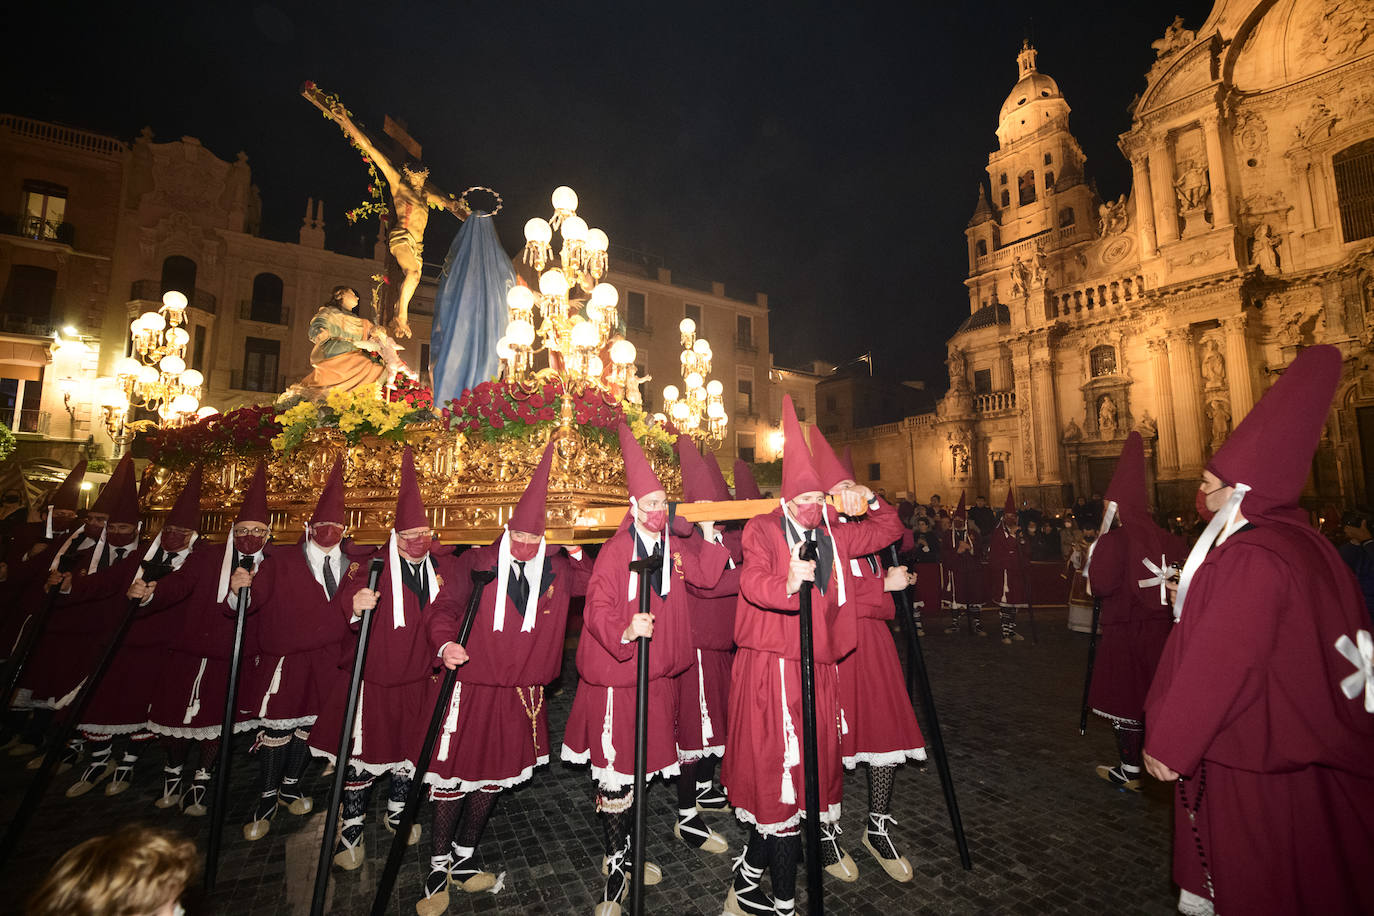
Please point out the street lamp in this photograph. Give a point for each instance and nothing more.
(698, 410)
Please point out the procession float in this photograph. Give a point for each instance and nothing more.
(520, 357)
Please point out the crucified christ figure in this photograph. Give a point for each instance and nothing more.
(411, 197)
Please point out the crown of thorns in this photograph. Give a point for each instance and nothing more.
(415, 176)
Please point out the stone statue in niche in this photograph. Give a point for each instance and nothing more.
(1213, 365)
(1192, 186)
(1071, 432)
(1317, 125)
(1148, 427)
(1040, 265)
(957, 365)
(1020, 277)
(1176, 38)
(1219, 412)
(1106, 417)
(1265, 253)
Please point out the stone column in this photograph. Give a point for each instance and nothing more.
(1162, 191)
(1187, 414)
(1216, 173)
(1144, 204)
(1046, 417)
(1239, 378)
(1167, 445)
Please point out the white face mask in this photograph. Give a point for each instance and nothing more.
(178, 910)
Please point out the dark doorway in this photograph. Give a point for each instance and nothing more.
(1364, 417)
(1100, 472)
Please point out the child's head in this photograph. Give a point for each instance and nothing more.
(135, 871)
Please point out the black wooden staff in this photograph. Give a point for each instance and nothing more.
(480, 578)
(220, 798)
(811, 757)
(1092, 657)
(72, 717)
(646, 568)
(331, 820)
(14, 668)
(918, 675)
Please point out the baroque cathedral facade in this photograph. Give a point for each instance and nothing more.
(1247, 234)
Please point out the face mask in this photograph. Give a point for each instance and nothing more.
(1200, 503)
(250, 544)
(175, 541)
(121, 540)
(524, 551)
(414, 547)
(326, 536)
(810, 515)
(655, 521)
(93, 531)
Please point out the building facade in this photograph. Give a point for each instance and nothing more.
(1247, 234)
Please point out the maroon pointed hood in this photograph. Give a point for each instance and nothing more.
(1272, 448)
(254, 508)
(745, 485)
(68, 493)
(124, 504)
(331, 506)
(529, 515)
(828, 467)
(410, 508)
(697, 481)
(640, 479)
(186, 510)
(798, 473)
(962, 510)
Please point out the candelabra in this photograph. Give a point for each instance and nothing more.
(578, 316)
(698, 409)
(155, 377)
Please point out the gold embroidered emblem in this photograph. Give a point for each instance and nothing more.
(677, 562)
(352, 569)
(438, 580)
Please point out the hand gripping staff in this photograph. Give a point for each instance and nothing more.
(480, 578)
(645, 568)
(226, 733)
(918, 679)
(810, 752)
(331, 822)
(73, 713)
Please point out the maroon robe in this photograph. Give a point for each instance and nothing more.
(1135, 624)
(703, 690)
(959, 571)
(189, 699)
(1008, 562)
(402, 666)
(1247, 705)
(763, 771)
(81, 626)
(601, 726)
(500, 725)
(301, 635)
(877, 721)
(120, 704)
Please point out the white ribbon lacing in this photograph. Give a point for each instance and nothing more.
(1359, 653)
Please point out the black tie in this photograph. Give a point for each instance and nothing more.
(330, 583)
(119, 554)
(519, 590)
(416, 582)
(655, 577)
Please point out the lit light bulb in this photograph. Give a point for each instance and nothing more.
(605, 296)
(206, 411)
(701, 347)
(595, 367)
(538, 230)
(687, 326)
(192, 379)
(574, 229)
(693, 380)
(520, 298)
(172, 364)
(153, 321)
(714, 387)
(670, 392)
(520, 333)
(178, 337)
(622, 353)
(596, 239)
(584, 334)
(174, 300)
(553, 283)
(127, 367)
(564, 198)
(147, 375)
(503, 350)
(183, 404)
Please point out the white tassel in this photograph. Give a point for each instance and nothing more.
(451, 722)
(272, 688)
(791, 754)
(607, 742)
(193, 706)
(357, 726)
(707, 732)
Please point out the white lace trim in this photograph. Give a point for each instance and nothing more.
(785, 828)
(404, 767)
(486, 785)
(1191, 904)
(714, 750)
(611, 779)
(1111, 718)
(884, 758)
(200, 734)
(286, 723)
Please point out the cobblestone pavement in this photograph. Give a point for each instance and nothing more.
(1046, 835)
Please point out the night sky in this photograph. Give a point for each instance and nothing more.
(828, 157)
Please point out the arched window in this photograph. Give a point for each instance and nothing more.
(1354, 167)
(1025, 187)
(1102, 360)
(982, 248)
(1006, 199)
(1049, 180)
(1066, 217)
(266, 304)
(179, 273)
(1004, 179)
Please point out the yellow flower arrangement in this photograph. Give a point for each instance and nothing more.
(359, 412)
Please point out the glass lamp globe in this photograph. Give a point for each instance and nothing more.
(178, 337)
(660, 418)
(714, 387)
(192, 379)
(574, 229)
(520, 298)
(147, 375)
(715, 410)
(622, 353)
(172, 364)
(127, 366)
(184, 404)
(584, 334)
(153, 321)
(670, 392)
(701, 347)
(687, 326)
(174, 300)
(564, 198)
(553, 283)
(596, 239)
(595, 367)
(693, 380)
(538, 230)
(605, 296)
(520, 333)
(503, 350)
(206, 411)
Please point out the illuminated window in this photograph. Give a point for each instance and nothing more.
(45, 206)
(1354, 167)
(1103, 360)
